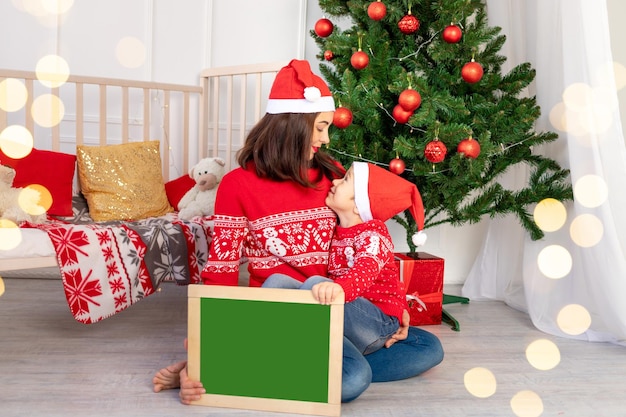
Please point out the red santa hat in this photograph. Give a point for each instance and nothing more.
(297, 90)
(381, 194)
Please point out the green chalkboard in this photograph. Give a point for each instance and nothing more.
(267, 349)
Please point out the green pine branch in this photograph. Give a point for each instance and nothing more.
(494, 110)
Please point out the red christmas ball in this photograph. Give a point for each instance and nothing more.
(452, 34)
(435, 151)
(410, 99)
(359, 60)
(342, 117)
(400, 115)
(397, 166)
(469, 147)
(472, 72)
(328, 55)
(408, 24)
(377, 10)
(324, 27)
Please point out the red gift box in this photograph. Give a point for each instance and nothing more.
(422, 274)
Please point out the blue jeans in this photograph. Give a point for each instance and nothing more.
(419, 352)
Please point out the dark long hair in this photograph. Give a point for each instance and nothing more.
(279, 145)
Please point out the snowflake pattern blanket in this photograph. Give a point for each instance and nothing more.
(108, 266)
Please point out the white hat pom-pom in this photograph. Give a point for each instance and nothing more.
(419, 238)
(312, 93)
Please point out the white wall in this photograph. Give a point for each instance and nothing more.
(617, 13)
(246, 31)
(182, 37)
(179, 37)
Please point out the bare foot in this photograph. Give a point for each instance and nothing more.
(168, 377)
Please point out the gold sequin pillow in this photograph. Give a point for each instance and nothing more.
(122, 182)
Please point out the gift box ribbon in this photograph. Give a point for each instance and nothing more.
(433, 297)
(406, 272)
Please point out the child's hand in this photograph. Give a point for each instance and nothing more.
(326, 292)
(402, 332)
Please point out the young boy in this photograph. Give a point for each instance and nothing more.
(361, 261)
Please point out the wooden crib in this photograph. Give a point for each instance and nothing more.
(189, 121)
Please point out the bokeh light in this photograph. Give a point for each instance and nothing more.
(573, 123)
(577, 123)
(585, 110)
(550, 215)
(52, 71)
(604, 99)
(543, 354)
(49, 13)
(591, 191)
(620, 75)
(29, 200)
(16, 141)
(13, 95)
(48, 110)
(130, 52)
(557, 117)
(578, 96)
(10, 235)
(45, 197)
(33, 7)
(573, 319)
(586, 230)
(480, 382)
(554, 261)
(18, 5)
(608, 70)
(1, 287)
(57, 6)
(527, 404)
(595, 121)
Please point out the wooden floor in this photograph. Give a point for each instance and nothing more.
(51, 365)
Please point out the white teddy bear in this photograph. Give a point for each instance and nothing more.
(19, 204)
(200, 200)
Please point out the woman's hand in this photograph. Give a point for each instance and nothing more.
(190, 390)
(326, 292)
(402, 332)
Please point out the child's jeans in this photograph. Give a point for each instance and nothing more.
(364, 324)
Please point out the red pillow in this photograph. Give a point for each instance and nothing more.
(53, 170)
(176, 189)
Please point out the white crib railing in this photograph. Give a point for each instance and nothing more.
(103, 111)
(234, 100)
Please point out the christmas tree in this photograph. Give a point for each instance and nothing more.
(419, 88)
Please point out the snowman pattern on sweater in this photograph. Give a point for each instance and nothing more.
(349, 254)
(273, 244)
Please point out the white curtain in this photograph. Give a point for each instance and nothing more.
(567, 42)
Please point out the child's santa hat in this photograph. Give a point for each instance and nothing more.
(297, 90)
(381, 194)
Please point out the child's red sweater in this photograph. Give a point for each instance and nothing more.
(362, 262)
(280, 227)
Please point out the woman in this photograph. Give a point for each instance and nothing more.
(272, 211)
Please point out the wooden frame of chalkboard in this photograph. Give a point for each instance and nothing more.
(265, 349)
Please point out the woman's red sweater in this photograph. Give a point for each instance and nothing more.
(279, 227)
